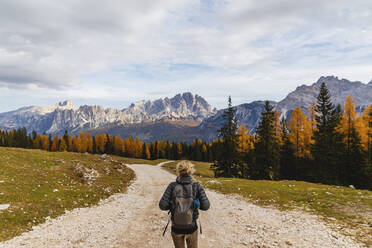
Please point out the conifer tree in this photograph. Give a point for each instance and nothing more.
(66, 139)
(288, 162)
(327, 148)
(227, 162)
(266, 152)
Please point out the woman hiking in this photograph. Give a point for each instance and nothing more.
(183, 198)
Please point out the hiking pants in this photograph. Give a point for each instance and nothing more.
(191, 240)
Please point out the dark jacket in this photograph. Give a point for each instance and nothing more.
(165, 201)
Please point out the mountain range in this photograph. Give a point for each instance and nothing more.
(181, 118)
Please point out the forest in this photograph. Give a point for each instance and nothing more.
(329, 144)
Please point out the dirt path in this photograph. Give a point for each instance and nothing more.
(134, 220)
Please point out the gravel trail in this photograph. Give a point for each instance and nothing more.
(133, 219)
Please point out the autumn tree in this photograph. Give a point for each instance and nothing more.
(300, 133)
(311, 111)
(118, 145)
(348, 122)
(179, 150)
(36, 143)
(145, 151)
(44, 142)
(55, 143)
(101, 143)
(62, 145)
(245, 140)
(89, 143)
(75, 144)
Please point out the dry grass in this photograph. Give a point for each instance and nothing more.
(38, 184)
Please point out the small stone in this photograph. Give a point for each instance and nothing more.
(4, 206)
(351, 186)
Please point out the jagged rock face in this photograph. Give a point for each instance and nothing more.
(64, 116)
(249, 114)
(179, 107)
(339, 89)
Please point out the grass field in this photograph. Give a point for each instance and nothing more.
(202, 169)
(38, 184)
(350, 208)
(142, 161)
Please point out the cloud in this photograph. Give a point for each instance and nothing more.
(109, 50)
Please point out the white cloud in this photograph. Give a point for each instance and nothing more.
(108, 50)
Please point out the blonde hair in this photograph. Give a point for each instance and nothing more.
(185, 167)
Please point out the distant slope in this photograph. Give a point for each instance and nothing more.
(151, 131)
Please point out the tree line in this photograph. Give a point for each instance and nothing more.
(105, 143)
(329, 145)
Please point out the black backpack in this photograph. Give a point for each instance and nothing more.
(182, 200)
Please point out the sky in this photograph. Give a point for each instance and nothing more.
(113, 53)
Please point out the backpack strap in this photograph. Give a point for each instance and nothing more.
(194, 190)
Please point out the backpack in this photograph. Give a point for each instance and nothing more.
(183, 197)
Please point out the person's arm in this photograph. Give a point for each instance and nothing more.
(164, 203)
(204, 202)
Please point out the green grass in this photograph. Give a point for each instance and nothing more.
(143, 161)
(350, 208)
(202, 169)
(38, 184)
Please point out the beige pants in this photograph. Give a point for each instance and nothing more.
(191, 240)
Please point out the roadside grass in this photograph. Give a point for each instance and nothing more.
(142, 161)
(39, 185)
(202, 169)
(350, 208)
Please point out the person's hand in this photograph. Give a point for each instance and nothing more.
(196, 203)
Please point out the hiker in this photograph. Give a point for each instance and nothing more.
(183, 198)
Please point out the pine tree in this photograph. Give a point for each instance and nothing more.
(288, 162)
(266, 152)
(227, 162)
(66, 139)
(327, 148)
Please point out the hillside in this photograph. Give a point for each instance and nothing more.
(40, 185)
